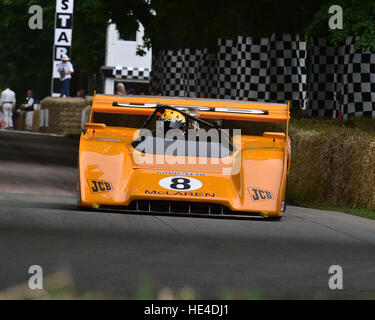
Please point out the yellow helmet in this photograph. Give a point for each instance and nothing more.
(172, 119)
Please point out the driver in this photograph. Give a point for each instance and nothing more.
(173, 120)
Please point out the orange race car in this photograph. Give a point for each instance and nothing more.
(190, 156)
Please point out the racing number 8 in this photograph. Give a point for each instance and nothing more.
(178, 182)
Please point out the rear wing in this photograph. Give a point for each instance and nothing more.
(203, 108)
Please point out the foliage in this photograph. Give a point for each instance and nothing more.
(198, 24)
(358, 20)
(26, 54)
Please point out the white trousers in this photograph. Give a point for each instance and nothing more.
(7, 112)
(29, 120)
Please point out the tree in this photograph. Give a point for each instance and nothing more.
(358, 18)
(198, 24)
(26, 54)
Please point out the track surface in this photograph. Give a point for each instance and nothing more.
(113, 253)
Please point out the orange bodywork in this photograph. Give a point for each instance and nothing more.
(110, 173)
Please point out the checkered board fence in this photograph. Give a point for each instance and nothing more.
(273, 69)
(322, 79)
(128, 73)
(184, 73)
(263, 69)
(343, 70)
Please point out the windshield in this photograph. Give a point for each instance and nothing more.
(171, 131)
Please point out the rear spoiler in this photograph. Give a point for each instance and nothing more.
(203, 108)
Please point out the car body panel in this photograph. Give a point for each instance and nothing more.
(110, 173)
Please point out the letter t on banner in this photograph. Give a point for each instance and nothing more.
(63, 40)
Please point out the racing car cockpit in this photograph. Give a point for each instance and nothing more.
(178, 131)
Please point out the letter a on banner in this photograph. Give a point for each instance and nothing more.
(63, 40)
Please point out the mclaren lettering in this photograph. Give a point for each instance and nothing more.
(181, 193)
(182, 173)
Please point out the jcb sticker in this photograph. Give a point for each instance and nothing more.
(98, 186)
(260, 194)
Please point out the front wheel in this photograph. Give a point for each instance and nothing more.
(276, 218)
(78, 194)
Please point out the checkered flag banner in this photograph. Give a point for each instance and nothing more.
(263, 69)
(167, 73)
(287, 74)
(322, 79)
(188, 73)
(252, 68)
(227, 69)
(273, 69)
(206, 75)
(341, 71)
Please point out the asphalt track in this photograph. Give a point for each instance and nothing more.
(115, 253)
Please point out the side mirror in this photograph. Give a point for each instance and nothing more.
(91, 125)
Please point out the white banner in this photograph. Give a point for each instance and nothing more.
(63, 39)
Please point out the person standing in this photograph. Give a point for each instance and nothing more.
(65, 68)
(29, 109)
(7, 102)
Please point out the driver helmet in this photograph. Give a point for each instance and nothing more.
(173, 120)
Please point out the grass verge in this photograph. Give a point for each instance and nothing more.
(308, 201)
(360, 212)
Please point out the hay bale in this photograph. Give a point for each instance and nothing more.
(88, 100)
(36, 118)
(64, 114)
(334, 167)
(19, 124)
(361, 185)
(305, 165)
